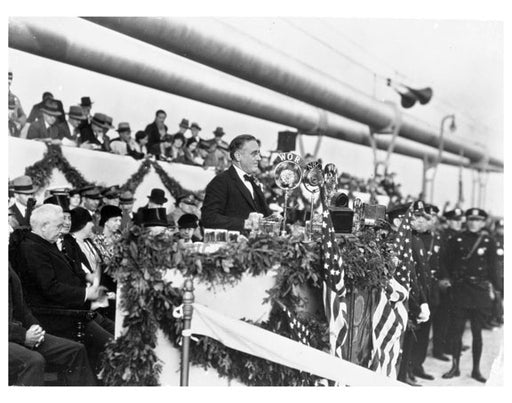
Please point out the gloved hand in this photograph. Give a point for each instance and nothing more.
(424, 313)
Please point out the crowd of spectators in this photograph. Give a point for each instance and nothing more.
(80, 127)
(59, 255)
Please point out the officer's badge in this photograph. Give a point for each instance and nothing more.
(421, 252)
(481, 251)
(436, 248)
(499, 252)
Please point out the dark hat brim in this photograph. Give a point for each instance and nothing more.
(94, 196)
(103, 125)
(51, 113)
(158, 200)
(77, 117)
(25, 192)
(29, 189)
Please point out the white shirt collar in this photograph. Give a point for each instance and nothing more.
(247, 184)
(21, 208)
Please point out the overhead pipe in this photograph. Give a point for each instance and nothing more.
(222, 47)
(80, 43)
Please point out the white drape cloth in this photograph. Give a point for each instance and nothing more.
(262, 343)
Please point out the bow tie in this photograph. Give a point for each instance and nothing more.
(249, 178)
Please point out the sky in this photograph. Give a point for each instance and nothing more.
(461, 60)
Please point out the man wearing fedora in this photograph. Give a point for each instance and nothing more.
(194, 132)
(182, 127)
(222, 150)
(92, 136)
(469, 265)
(23, 206)
(156, 131)
(47, 128)
(156, 199)
(124, 144)
(36, 112)
(234, 194)
(91, 198)
(126, 201)
(71, 127)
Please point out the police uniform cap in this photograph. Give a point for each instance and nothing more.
(455, 214)
(475, 212)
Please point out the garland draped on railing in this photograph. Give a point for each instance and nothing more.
(41, 172)
(136, 179)
(141, 259)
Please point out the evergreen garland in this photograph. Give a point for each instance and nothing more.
(136, 179)
(141, 258)
(146, 300)
(41, 171)
(171, 184)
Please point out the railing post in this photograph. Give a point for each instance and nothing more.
(188, 299)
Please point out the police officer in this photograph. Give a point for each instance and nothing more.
(418, 307)
(441, 315)
(469, 264)
(426, 247)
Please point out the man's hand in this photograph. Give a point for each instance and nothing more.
(444, 283)
(34, 336)
(90, 277)
(87, 144)
(424, 313)
(95, 292)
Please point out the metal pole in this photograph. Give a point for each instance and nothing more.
(439, 155)
(188, 300)
(83, 44)
(285, 212)
(217, 44)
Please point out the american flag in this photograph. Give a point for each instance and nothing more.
(299, 330)
(390, 317)
(334, 283)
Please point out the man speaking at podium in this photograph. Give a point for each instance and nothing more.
(234, 194)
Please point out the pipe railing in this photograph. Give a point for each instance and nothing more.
(83, 44)
(218, 45)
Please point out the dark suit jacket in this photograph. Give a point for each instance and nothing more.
(49, 278)
(153, 138)
(65, 132)
(228, 202)
(20, 317)
(23, 221)
(38, 130)
(72, 250)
